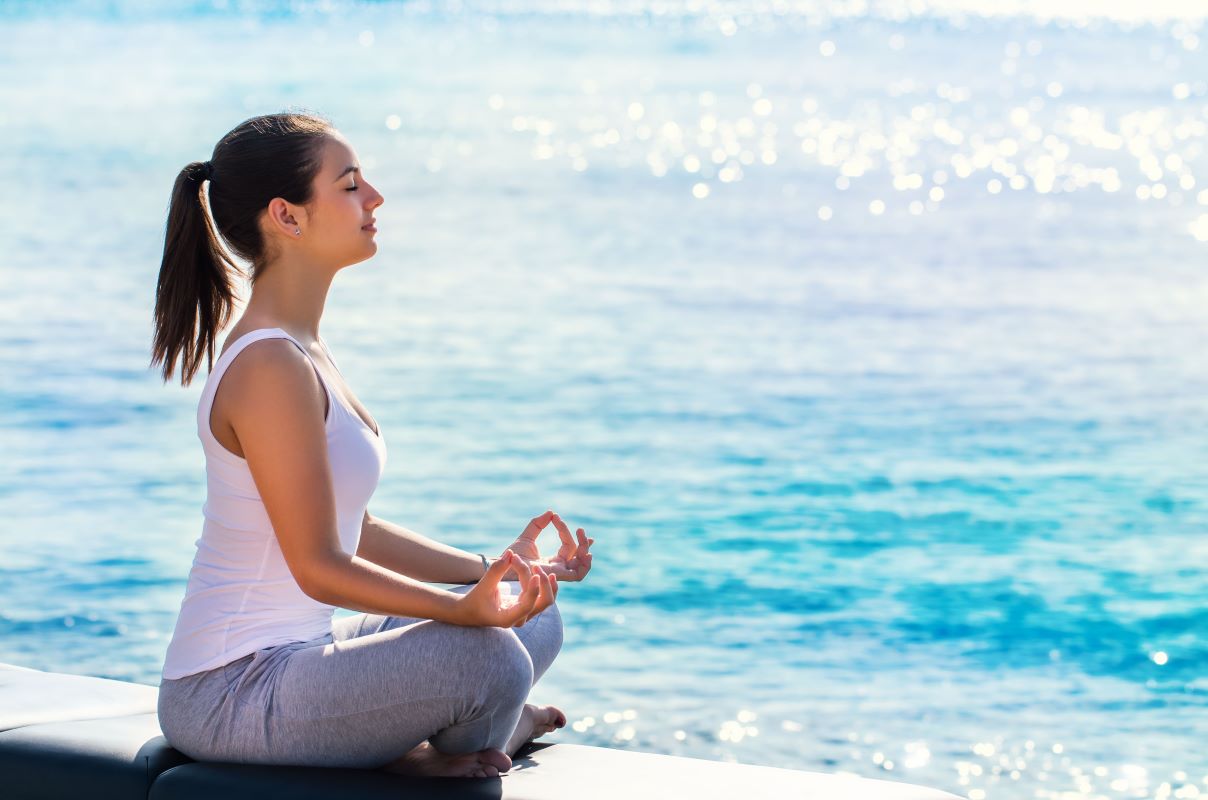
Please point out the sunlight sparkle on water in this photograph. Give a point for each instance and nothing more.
(1040, 143)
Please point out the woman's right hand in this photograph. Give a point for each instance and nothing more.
(486, 605)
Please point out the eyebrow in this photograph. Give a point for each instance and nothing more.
(346, 171)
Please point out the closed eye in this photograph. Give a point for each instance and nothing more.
(353, 189)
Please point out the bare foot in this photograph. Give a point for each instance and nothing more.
(424, 759)
(534, 721)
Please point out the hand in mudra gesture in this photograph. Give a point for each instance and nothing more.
(487, 605)
(573, 561)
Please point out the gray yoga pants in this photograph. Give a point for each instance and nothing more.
(365, 694)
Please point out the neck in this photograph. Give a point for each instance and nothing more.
(290, 294)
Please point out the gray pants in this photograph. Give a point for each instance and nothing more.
(365, 694)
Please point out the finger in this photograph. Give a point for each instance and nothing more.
(528, 601)
(529, 590)
(523, 570)
(537, 525)
(563, 531)
(514, 614)
(546, 598)
(548, 592)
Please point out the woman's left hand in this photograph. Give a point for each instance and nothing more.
(573, 561)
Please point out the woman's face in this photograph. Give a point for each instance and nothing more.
(337, 226)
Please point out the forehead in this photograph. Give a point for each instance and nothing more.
(338, 155)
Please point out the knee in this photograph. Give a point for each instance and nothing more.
(505, 662)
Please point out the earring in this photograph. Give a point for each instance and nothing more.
(298, 232)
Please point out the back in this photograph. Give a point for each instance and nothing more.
(241, 595)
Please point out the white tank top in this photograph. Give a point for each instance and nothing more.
(240, 595)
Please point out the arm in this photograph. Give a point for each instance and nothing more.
(354, 583)
(412, 554)
(276, 406)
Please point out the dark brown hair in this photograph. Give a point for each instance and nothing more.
(274, 155)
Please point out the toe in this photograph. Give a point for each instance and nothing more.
(498, 759)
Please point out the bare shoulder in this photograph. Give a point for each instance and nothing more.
(271, 386)
(272, 365)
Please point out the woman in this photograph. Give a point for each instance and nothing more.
(425, 681)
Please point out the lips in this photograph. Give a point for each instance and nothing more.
(369, 226)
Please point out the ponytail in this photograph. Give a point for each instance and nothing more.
(194, 297)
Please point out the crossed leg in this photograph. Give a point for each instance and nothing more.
(541, 637)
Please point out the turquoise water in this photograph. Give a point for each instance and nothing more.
(865, 345)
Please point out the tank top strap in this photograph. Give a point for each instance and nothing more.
(330, 356)
(331, 396)
(267, 333)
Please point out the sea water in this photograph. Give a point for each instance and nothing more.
(867, 341)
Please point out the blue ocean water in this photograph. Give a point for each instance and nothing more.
(867, 341)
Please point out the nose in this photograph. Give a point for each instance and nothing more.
(376, 198)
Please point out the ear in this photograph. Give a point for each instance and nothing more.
(283, 216)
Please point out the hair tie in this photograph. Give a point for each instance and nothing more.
(206, 172)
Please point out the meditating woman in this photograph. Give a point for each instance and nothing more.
(425, 680)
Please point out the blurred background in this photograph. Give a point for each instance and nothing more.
(866, 339)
